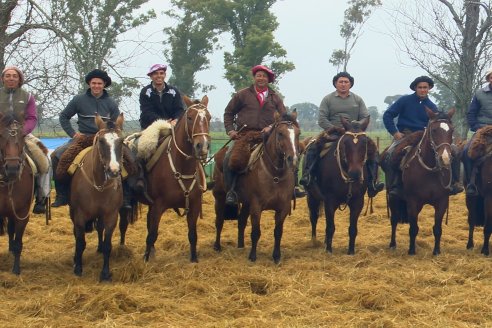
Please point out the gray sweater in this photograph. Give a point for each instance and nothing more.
(85, 106)
(333, 107)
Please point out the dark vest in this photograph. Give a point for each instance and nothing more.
(15, 100)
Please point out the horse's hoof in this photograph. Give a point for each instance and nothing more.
(194, 259)
(351, 252)
(217, 247)
(105, 277)
(240, 245)
(252, 258)
(16, 271)
(469, 246)
(436, 252)
(410, 252)
(77, 271)
(485, 252)
(276, 260)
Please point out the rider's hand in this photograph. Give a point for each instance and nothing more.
(173, 122)
(77, 135)
(398, 135)
(233, 134)
(266, 129)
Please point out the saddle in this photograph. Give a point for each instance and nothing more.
(80, 157)
(38, 153)
(145, 143)
(69, 155)
(400, 150)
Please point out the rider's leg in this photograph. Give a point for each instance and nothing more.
(230, 178)
(456, 186)
(298, 193)
(470, 175)
(43, 182)
(311, 161)
(373, 187)
(62, 187)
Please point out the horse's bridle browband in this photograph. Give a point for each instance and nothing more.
(13, 131)
(343, 173)
(201, 109)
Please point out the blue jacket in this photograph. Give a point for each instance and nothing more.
(410, 113)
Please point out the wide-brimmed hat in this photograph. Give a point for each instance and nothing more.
(156, 67)
(19, 72)
(271, 75)
(343, 74)
(423, 78)
(99, 74)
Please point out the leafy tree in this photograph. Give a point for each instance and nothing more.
(438, 33)
(391, 99)
(376, 122)
(356, 15)
(307, 115)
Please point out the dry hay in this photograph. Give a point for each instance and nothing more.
(377, 287)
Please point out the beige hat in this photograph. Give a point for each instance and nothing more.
(17, 69)
(487, 73)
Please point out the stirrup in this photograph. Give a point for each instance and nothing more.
(471, 190)
(231, 198)
(374, 188)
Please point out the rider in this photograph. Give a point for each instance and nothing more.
(341, 103)
(159, 100)
(14, 98)
(411, 117)
(95, 100)
(250, 109)
(479, 115)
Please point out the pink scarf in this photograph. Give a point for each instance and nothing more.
(261, 95)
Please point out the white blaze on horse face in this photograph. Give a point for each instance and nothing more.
(111, 138)
(292, 137)
(446, 156)
(202, 123)
(444, 126)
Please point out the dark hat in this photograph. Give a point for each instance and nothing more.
(99, 74)
(343, 74)
(271, 75)
(423, 78)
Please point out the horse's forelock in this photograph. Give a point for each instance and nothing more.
(286, 117)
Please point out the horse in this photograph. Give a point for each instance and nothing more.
(340, 181)
(96, 193)
(267, 184)
(177, 179)
(480, 206)
(426, 176)
(16, 183)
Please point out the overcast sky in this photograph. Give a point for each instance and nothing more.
(309, 31)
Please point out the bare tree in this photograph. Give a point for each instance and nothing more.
(442, 36)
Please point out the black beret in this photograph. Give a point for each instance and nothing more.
(99, 74)
(343, 74)
(423, 78)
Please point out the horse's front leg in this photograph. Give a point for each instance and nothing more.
(125, 217)
(219, 219)
(192, 217)
(313, 205)
(330, 224)
(255, 215)
(487, 227)
(413, 210)
(395, 214)
(277, 233)
(355, 208)
(109, 226)
(79, 232)
(100, 231)
(153, 219)
(439, 211)
(471, 228)
(17, 244)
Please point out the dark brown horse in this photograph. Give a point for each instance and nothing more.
(341, 182)
(426, 176)
(96, 193)
(267, 185)
(16, 183)
(175, 181)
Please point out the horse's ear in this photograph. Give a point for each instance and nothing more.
(451, 112)
(345, 123)
(99, 122)
(430, 112)
(119, 121)
(365, 122)
(204, 101)
(293, 114)
(276, 116)
(188, 102)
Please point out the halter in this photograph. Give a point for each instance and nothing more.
(201, 112)
(418, 153)
(278, 150)
(344, 173)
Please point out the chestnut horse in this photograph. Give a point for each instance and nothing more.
(16, 183)
(268, 184)
(96, 193)
(341, 182)
(175, 180)
(426, 176)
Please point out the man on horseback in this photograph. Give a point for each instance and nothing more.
(250, 109)
(340, 103)
(479, 116)
(15, 99)
(411, 117)
(95, 100)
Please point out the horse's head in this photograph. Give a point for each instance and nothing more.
(12, 144)
(352, 147)
(285, 134)
(197, 126)
(440, 130)
(109, 145)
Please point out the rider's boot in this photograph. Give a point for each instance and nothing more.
(396, 187)
(456, 186)
(373, 187)
(40, 205)
(470, 173)
(298, 192)
(311, 160)
(127, 196)
(62, 188)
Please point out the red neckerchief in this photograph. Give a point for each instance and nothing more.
(261, 95)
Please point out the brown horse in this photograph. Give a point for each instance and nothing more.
(426, 176)
(268, 184)
(96, 193)
(175, 180)
(16, 183)
(341, 182)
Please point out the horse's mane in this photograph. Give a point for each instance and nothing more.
(441, 115)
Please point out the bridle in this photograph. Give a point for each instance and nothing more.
(339, 155)
(13, 133)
